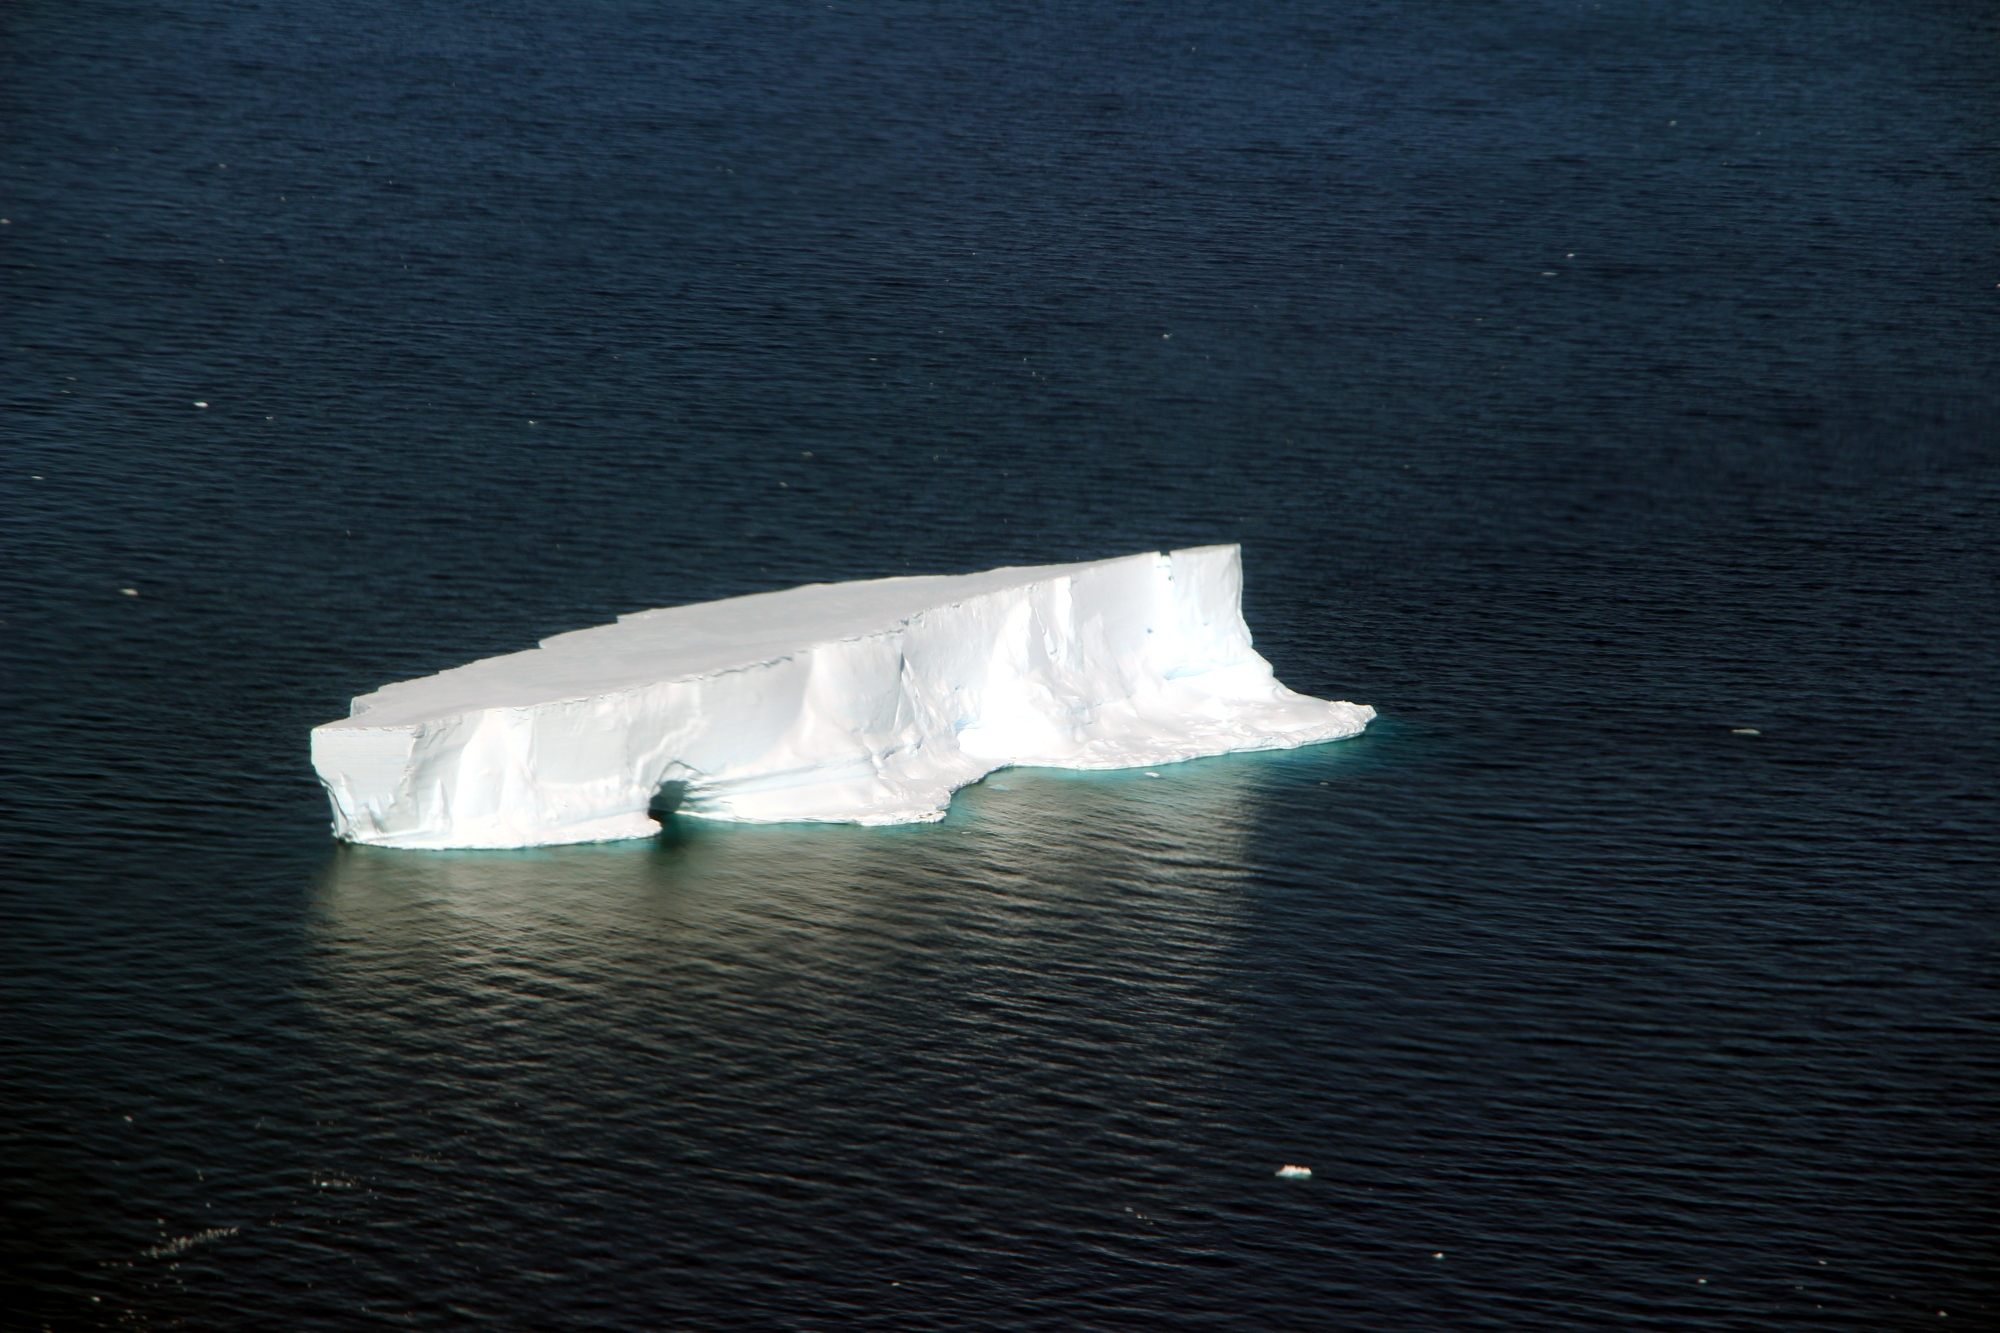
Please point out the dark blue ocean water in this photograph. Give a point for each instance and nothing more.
(1585, 380)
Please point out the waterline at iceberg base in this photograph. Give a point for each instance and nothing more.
(867, 702)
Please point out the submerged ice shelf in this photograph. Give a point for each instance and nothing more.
(867, 702)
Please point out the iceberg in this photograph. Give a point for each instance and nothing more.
(867, 702)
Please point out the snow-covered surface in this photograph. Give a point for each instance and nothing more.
(865, 702)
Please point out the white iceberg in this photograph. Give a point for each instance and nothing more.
(868, 702)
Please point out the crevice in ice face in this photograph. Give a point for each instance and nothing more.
(667, 798)
(679, 790)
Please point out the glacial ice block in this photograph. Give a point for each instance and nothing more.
(868, 702)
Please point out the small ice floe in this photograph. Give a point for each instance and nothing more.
(1437, 1254)
(1745, 731)
(201, 402)
(1290, 1172)
(1151, 774)
(182, 1244)
(129, 592)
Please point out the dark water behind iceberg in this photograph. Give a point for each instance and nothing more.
(1584, 383)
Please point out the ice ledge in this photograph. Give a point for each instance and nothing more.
(868, 702)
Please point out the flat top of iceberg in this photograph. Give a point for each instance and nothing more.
(683, 642)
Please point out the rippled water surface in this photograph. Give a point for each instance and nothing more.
(1591, 386)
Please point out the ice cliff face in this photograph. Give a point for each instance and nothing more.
(861, 702)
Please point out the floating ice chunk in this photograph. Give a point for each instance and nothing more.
(179, 1245)
(865, 702)
(1290, 1172)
